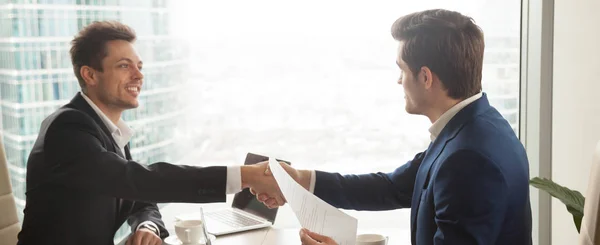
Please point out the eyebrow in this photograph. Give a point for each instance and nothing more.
(397, 63)
(129, 60)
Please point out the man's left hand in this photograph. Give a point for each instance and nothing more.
(310, 238)
(144, 237)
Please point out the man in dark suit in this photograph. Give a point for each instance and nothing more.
(82, 184)
(471, 184)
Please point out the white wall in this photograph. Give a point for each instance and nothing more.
(576, 103)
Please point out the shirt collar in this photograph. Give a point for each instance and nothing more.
(438, 125)
(120, 132)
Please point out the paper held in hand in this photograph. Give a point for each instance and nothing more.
(313, 213)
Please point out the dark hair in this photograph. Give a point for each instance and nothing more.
(448, 43)
(88, 48)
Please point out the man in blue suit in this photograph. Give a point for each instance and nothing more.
(470, 186)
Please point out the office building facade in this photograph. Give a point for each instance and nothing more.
(36, 76)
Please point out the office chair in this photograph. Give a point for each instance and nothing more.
(9, 221)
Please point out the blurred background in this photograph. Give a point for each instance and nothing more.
(312, 82)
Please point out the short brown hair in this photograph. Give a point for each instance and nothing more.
(448, 43)
(88, 48)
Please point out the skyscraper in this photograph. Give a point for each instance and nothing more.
(36, 76)
(502, 64)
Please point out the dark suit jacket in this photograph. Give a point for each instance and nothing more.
(81, 189)
(469, 187)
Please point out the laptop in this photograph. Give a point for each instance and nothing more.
(246, 213)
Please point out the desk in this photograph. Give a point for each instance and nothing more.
(284, 231)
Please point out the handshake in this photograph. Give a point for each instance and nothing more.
(262, 184)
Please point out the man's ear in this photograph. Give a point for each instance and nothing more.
(89, 75)
(426, 76)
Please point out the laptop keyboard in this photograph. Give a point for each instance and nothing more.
(232, 219)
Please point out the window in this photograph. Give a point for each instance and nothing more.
(314, 82)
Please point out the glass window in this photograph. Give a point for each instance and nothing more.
(315, 81)
(310, 81)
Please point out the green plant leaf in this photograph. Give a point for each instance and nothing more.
(574, 200)
(577, 217)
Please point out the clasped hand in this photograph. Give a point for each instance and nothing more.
(263, 185)
(261, 182)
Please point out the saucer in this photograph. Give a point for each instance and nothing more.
(173, 240)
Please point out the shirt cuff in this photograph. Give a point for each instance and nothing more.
(150, 223)
(313, 181)
(234, 180)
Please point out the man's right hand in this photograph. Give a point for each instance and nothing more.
(272, 199)
(254, 177)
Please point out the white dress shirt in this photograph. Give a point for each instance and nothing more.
(440, 124)
(122, 133)
(434, 130)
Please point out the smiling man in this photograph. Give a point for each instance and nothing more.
(82, 184)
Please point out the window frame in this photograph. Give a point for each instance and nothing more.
(535, 129)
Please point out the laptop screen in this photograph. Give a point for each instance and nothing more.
(244, 200)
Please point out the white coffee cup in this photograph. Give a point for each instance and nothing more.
(371, 239)
(190, 231)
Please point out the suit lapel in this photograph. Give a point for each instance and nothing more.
(78, 102)
(118, 150)
(422, 178)
(437, 147)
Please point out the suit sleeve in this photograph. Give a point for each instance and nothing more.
(79, 160)
(470, 196)
(375, 191)
(143, 212)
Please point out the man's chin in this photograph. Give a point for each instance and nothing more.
(409, 109)
(413, 111)
(131, 105)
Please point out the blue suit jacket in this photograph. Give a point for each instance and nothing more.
(469, 187)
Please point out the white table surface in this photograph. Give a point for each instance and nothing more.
(284, 231)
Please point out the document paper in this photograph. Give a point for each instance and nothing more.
(313, 213)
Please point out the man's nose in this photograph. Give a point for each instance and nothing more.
(138, 74)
